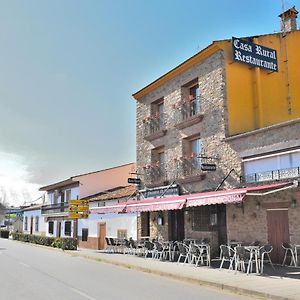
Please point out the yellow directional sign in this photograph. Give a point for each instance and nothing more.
(79, 208)
(78, 215)
(76, 202)
(79, 202)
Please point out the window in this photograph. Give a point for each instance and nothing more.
(36, 224)
(55, 196)
(145, 224)
(161, 161)
(68, 226)
(62, 196)
(122, 234)
(157, 112)
(272, 166)
(26, 223)
(68, 195)
(85, 234)
(194, 93)
(201, 218)
(51, 227)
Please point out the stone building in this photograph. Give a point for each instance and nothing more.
(226, 118)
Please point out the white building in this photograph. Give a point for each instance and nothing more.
(33, 221)
(92, 231)
(56, 211)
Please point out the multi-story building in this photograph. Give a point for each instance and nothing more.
(56, 211)
(226, 118)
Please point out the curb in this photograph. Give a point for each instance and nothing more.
(220, 286)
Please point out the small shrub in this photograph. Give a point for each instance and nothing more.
(64, 243)
(56, 243)
(69, 244)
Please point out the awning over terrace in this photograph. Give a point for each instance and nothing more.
(200, 199)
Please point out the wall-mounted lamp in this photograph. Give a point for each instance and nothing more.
(233, 216)
(160, 220)
(257, 206)
(294, 203)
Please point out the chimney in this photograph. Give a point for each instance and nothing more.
(288, 20)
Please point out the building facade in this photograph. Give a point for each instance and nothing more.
(33, 221)
(92, 231)
(218, 122)
(56, 210)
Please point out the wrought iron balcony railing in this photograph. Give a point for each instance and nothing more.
(55, 208)
(155, 175)
(189, 167)
(272, 175)
(188, 111)
(154, 127)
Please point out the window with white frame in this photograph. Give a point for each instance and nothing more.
(68, 226)
(272, 166)
(68, 195)
(51, 227)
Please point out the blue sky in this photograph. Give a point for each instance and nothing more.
(69, 68)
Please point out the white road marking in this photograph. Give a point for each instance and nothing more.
(23, 264)
(82, 294)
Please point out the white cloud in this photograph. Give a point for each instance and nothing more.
(15, 185)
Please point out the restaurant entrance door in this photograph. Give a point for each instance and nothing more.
(278, 232)
(176, 225)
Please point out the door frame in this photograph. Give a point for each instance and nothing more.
(101, 240)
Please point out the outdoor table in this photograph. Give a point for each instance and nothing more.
(254, 251)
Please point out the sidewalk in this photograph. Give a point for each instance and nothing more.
(274, 287)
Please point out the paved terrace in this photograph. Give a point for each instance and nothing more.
(282, 284)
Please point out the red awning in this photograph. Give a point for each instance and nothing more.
(200, 199)
(156, 204)
(234, 195)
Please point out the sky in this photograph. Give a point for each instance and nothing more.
(69, 68)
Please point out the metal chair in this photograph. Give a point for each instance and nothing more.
(265, 251)
(227, 254)
(149, 248)
(289, 251)
(183, 252)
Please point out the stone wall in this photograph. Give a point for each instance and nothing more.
(247, 223)
(212, 131)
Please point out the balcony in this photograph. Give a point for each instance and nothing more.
(154, 127)
(154, 176)
(272, 175)
(56, 209)
(188, 113)
(189, 170)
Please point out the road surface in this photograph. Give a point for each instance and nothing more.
(33, 273)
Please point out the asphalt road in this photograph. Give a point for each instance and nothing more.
(30, 272)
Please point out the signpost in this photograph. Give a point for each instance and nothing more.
(78, 209)
(208, 167)
(134, 180)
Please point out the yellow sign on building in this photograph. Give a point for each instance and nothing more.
(78, 215)
(78, 209)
